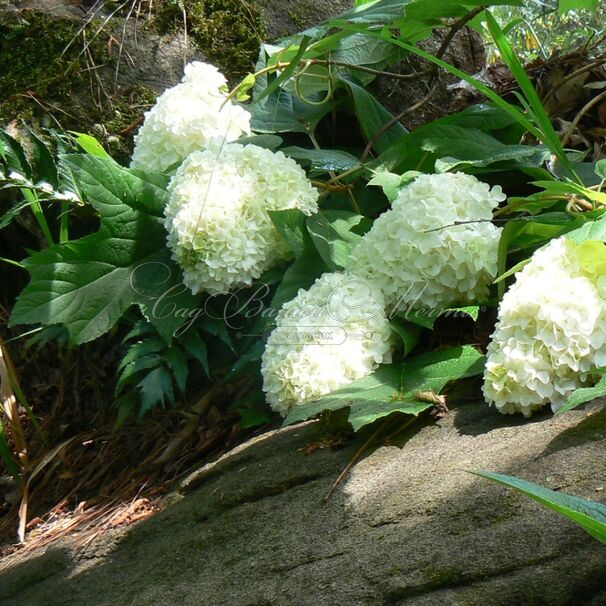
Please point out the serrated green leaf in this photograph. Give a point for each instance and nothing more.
(459, 145)
(89, 144)
(433, 370)
(139, 364)
(218, 328)
(388, 182)
(13, 212)
(283, 112)
(302, 273)
(140, 328)
(368, 399)
(591, 516)
(13, 155)
(88, 284)
(379, 11)
(194, 345)
(391, 183)
(265, 141)
(156, 388)
(177, 364)
(420, 318)
(287, 72)
(44, 167)
(473, 311)
(148, 345)
(512, 271)
(394, 388)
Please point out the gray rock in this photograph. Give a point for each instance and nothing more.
(286, 17)
(407, 527)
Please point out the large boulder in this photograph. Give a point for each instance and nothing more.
(408, 526)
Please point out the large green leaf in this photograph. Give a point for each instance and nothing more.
(591, 516)
(373, 116)
(433, 370)
(457, 145)
(593, 230)
(88, 284)
(325, 160)
(368, 399)
(283, 112)
(394, 388)
(13, 155)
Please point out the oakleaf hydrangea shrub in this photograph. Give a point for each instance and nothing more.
(326, 337)
(436, 246)
(218, 226)
(551, 329)
(186, 117)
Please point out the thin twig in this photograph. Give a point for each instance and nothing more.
(572, 75)
(454, 29)
(357, 456)
(578, 117)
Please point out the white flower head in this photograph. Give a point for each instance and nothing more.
(326, 337)
(551, 329)
(219, 230)
(436, 246)
(186, 117)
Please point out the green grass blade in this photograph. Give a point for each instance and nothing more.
(549, 135)
(286, 73)
(64, 222)
(512, 110)
(590, 515)
(32, 198)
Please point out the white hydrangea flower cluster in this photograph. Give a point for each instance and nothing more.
(218, 227)
(436, 246)
(326, 337)
(186, 117)
(551, 329)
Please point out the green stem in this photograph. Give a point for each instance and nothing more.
(31, 197)
(11, 262)
(64, 222)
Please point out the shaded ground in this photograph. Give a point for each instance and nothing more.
(407, 527)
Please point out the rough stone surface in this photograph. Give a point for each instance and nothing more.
(407, 527)
(285, 17)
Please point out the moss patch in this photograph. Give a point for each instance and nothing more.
(36, 63)
(43, 73)
(228, 32)
(303, 14)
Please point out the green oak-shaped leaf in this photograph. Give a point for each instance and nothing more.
(396, 388)
(88, 284)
